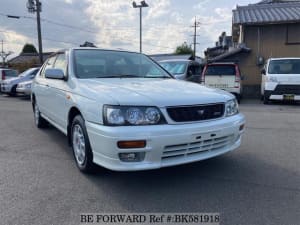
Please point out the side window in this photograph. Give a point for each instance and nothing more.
(48, 64)
(60, 63)
(191, 70)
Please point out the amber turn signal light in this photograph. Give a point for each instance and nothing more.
(131, 144)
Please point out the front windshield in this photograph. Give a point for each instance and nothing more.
(94, 63)
(29, 72)
(174, 67)
(284, 66)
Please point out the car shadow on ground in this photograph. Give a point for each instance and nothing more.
(18, 96)
(241, 177)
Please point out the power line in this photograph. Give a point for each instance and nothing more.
(79, 28)
(48, 39)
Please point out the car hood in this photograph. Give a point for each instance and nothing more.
(16, 80)
(180, 76)
(26, 82)
(287, 78)
(152, 92)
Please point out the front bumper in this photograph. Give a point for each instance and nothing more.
(6, 88)
(23, 90)
(167, 145)
(275, 91)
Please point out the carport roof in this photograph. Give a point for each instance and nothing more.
(268, 12)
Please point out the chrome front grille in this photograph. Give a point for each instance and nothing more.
(197, 147)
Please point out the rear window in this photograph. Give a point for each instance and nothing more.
(218, 70)
(11, 73)
(285, 66)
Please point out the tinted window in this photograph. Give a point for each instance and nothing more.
(34, 72)
(105, 64)
(195, 69)
(220, 70)
(11, 73)
(174, 67)
(285, 66)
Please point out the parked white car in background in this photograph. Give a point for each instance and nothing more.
(9, 86)
(281, 80)
(24, 87)
(122, 111)
(223, 75)
(6, 73)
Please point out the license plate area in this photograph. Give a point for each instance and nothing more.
(289, 97)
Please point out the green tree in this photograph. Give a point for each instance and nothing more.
(184, 49)
(29, 48)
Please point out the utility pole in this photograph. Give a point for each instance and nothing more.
(32, 8)
(195, 26)
(3, 54)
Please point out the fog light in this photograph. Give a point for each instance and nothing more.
(131, 144)
(242, 127)
(132, 156)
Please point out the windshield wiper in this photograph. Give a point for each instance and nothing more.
(118, 76)
(163, 77)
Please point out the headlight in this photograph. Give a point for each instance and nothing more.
(28, 86)
(132, 115)
(272, 79)
(231, 108)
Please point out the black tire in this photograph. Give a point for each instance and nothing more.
(238, 98)
(13, 91)
(83, 155)
(266, 98)
(39, 121)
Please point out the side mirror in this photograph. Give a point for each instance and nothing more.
(55, 74)
(263, 71)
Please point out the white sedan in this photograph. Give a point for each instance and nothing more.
(122, 111)
(24, 88)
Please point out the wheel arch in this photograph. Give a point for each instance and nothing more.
(74, 111)
(33, 99)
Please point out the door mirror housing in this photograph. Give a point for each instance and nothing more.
(54, 74)
(263, 71)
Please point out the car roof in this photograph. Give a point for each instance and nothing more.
(103, 49)
(6, 69)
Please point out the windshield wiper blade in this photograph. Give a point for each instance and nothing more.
(128, 75)
(118, 76)
(164, 77)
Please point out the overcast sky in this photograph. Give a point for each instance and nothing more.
(115, 24)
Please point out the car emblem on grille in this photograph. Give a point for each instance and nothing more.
(200, 112)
